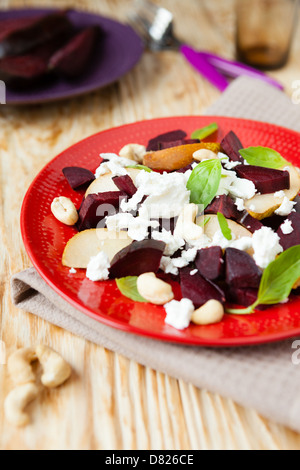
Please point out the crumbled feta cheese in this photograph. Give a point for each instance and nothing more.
(167, 194)
(167, 265)
(279, 194)
(115, 165)
(242, 188)
(189, 255)
(287, 227)
(72, 271)
(243, 244)
(240, 204)
(192, 273)
(98, 267)
(172, 243)
(179, 314)
(137, 226)
(286, 207)
(236, 187)
(220, 240)
(266, 246)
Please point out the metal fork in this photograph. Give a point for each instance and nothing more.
(156, 27)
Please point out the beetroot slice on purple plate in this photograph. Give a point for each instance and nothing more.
(291, 239)
(173, 136)
(266, 180)
(19, 40)
(137, 258)
(198, 289)
(225, 205)
(96, 207)
(249, 222)
(210, 263)
(72, 59)
(231, 145)
(241, 270)
(78, 177)
(125, 183)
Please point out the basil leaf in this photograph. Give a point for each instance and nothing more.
(205, 221)
(277, 280)
(279, 277)
(128, 287)
(205, 131)
(204, 182)
(264, 157)
(140, 167)
(224, 226)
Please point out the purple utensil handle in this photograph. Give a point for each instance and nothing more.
(201, 63)
(236, 69)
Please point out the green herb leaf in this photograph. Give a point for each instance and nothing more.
(205, 131)
(128, 287)
(205, 221)
(204, 182)
(224, 226)
(264, 157)
(140, 167)
(277, 280)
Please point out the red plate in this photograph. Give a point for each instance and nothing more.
(45, 238)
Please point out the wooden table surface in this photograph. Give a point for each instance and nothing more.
(111, 402)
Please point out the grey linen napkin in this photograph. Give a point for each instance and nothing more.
(259, 377)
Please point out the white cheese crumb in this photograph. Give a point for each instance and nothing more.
(72, 271)
(286, 207)
(172, 243)
(179, 314)
(240, 204)
(167, 193)
(242, 188)
(279, 194)
(167, 265)
(287, 227)
(98, 267)
(115, 165)
(137, 226)
(266, 246)
(192, 273)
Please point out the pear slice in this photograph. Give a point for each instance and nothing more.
(264, 205)
(84, 245)
(213, 226)
(105, 183)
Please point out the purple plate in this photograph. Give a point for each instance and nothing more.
(120, 49)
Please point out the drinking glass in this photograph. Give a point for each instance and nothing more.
(265, 30)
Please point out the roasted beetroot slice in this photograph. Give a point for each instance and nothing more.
(273, 222)
(240, 296)
(198, 289)
(137, 258)
(96, 207)
(266, 180)
(297, 206)
(249, 222)
(71, 60)
(78, 177)
(291, 239)
(172, 136)
(125, 183)
(225, 205)
(29, 35)
(26, 69)
(185, 169)
(177, 143)
(241, 270)
(210, 263)
(231, 145)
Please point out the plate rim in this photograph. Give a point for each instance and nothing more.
(118, 324)
(36, 101)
